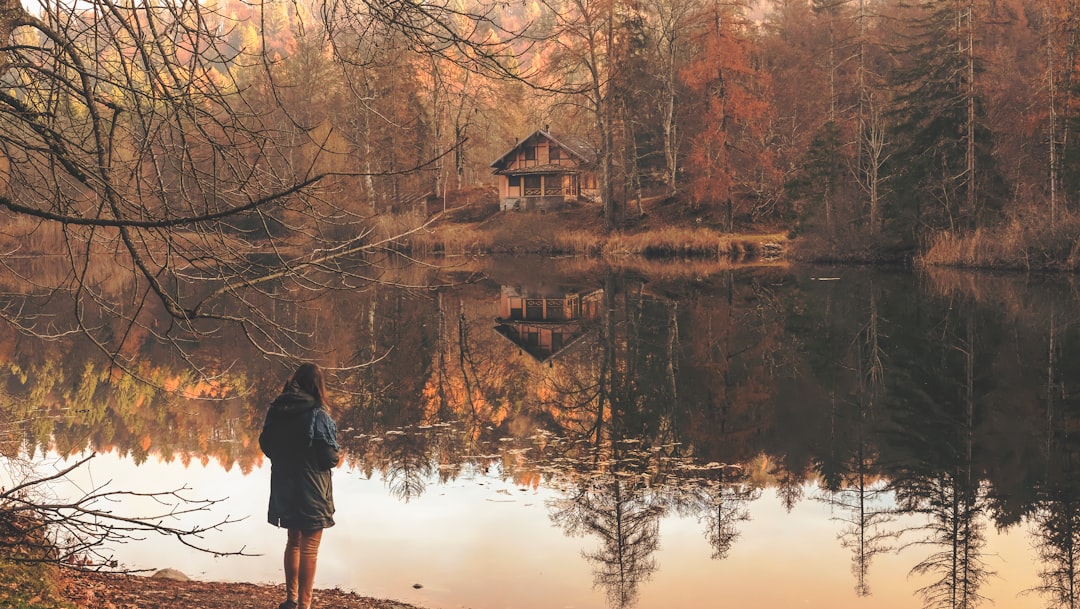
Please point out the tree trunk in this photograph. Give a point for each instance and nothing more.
(966, 18)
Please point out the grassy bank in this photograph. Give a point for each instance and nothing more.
(578, 231)
(1019, 245)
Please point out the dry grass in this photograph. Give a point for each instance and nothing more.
(23, 235)
(578, 242)
(673, 242)
(580, 232)
(1028, 244)
(449, 240)
(1002, 248)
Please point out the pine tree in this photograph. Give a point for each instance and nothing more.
(943, 170)
(822, 168)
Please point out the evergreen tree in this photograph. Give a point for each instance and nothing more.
(1071, 162)
(822, 170)
(943, 169)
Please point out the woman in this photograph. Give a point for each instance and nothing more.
(300, 439)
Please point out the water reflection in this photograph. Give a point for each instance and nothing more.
(924, 411)
(545, 323)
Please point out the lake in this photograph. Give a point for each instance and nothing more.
(549, 433)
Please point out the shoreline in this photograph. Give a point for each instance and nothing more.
(104, 590)
(667, 231)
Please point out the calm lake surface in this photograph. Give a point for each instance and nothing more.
(546, 434)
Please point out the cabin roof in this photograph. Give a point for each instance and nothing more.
(549, 168)
(577, 146)
(506, 330)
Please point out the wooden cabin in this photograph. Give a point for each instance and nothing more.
(545, 171)
(544, 323)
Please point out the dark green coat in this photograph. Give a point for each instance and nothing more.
(300, 439)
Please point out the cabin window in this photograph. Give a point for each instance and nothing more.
(534, 309)
(513, 181)
(516, 308)
(532, 186)
(553, 186)
(530, 153)
(554, 154)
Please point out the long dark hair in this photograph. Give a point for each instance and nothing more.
(309, 378)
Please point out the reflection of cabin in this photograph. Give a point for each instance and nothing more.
(544, 171)
(543, 325)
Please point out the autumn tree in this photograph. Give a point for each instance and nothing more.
(670, 43)
(820, 185)
(582, 67)
(729, 160)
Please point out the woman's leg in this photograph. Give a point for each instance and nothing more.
(309, 552)
(292, 564)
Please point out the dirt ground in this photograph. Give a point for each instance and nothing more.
(113, 591)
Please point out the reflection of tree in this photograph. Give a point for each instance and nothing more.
(860, 508)
(1057, 535)
(1056, 518)
(852, 485)
(408, 465)
(789, 487)
(684, 380)
(957, 570)
(732, 337)
(630, 406)
(470, 378)
(722, 504)
(858, 496)
(68, 398)
(643, 381)
(618, 509)
(939, 478)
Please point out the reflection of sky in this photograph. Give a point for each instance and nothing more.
(483, 543)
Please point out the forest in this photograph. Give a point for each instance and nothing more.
(859, 123)
(915, 127)
(173, 172)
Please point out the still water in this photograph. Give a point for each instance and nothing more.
(545, 436)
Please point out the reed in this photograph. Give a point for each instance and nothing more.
(548, 234)
(31, 236)
(449, 240)
(692, 243)
(1029, 244)
(577, 243)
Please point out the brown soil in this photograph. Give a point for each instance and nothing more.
(118, 591)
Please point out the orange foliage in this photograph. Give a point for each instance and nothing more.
(530, 479)
(734, 108)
